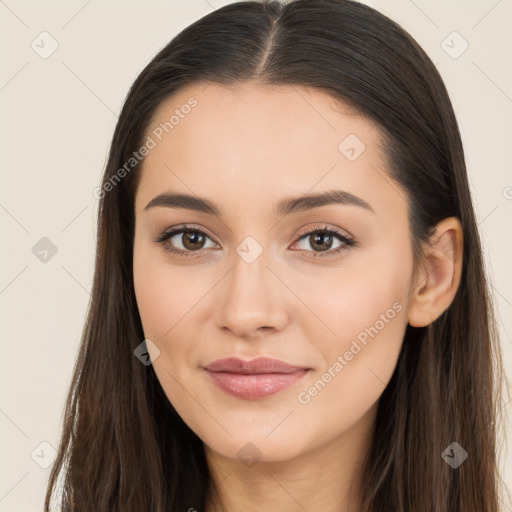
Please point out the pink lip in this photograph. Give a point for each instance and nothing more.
(254, 379)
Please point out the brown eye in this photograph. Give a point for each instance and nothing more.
(321, 241)
(193, 240)
(184, 241)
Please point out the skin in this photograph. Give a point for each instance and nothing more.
(245, 149)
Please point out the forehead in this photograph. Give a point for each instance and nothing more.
(283, 116)
(257, 139)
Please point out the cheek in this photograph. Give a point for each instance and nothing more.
(366, 292)
(155, 301)
(164, 293)
(364, 308)
(166, 298)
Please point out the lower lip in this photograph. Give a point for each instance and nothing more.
(253, 387)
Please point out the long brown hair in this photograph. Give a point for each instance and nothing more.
(124, 447)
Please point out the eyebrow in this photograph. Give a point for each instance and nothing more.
(284, 207)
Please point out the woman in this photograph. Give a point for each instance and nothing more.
(289, 309)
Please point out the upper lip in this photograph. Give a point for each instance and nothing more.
(254, 366)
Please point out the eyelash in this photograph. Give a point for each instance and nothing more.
(347, 241)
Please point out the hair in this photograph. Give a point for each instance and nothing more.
(123, 445)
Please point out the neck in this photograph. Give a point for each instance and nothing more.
(327, 477)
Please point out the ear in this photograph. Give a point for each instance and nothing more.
(436, 284)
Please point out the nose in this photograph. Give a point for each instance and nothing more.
(251, 300)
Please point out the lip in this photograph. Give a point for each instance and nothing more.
(255, 379)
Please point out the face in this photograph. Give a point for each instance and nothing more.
(321, 284)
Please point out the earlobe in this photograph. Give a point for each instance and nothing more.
(437, 283)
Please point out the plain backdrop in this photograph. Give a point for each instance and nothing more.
(65, 70)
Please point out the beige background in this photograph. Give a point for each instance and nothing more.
(58, 115)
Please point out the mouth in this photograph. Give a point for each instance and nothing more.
(255, 379)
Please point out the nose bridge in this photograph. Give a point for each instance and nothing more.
(250, 297)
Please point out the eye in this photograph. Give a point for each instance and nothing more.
(184, 240)
(322, 240)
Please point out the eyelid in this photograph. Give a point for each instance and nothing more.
(326, 227)
(183, 227)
